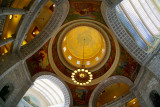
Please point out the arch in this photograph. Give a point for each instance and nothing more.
(59, 82)
(51, 27)
(102, 86)
(111, 19)
(155, 98)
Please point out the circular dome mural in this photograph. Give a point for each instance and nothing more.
(83, 42)
(84, 36)
(100, 48)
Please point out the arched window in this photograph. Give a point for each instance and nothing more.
(155, 98)
(5, 92)
(141, 19)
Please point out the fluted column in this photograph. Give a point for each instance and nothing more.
(11, 11)
(6, 41)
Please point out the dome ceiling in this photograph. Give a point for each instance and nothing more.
(87, 37)
(100, 70)
(111, 62)
(79, 34)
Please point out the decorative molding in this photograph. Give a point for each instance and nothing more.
(67, 27)
(94, 81)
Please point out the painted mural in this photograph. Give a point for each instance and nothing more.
(127, 66)
(39, 61)
(81, 95)
(88, 10)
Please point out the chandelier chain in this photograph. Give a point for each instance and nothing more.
(83, 54)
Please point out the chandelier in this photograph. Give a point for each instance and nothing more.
(82, 76)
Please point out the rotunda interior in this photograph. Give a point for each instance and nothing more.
(79, 53)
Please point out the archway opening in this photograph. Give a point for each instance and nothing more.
(43, 93)
(112, 93)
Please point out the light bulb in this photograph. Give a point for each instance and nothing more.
(73, 73)
(10, 16)
(86, 70)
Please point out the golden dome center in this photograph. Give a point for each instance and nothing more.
(84, 36)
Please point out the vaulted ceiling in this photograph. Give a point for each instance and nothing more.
(100, 44)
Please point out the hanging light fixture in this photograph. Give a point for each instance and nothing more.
(82, 76)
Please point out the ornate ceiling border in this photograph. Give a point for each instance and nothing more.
(94, 81)
(90, 24)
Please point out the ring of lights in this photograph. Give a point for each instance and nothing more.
(84, 76)
(102, 59)
(94, 81)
